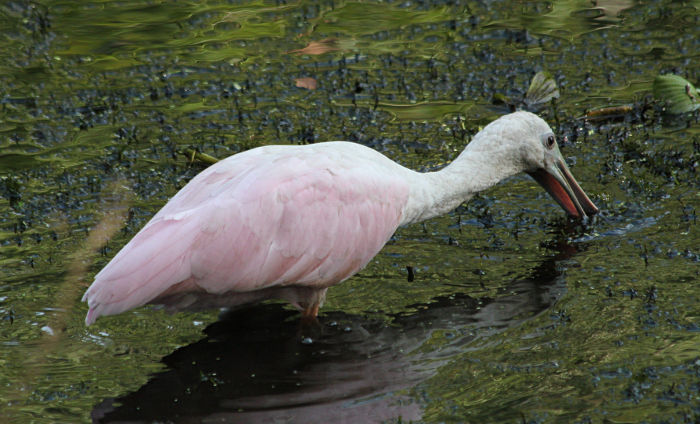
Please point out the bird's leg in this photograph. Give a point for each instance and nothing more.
(309, 324)
(309, 315)
(310, 300)
(309, 321)
(311, 312)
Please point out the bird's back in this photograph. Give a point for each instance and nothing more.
(273, 216)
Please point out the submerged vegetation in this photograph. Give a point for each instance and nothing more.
(503, 311)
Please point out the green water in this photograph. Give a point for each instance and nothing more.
(514, 315)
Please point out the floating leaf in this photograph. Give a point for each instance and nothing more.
(252, 11)
(359, 18)
(679, 95)
(542, 89)
(306, 82)
(424, 111)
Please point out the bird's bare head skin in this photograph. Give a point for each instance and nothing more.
(548, 168)
(515, 143)
(290, 221)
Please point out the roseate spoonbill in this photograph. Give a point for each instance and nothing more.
(290, 221)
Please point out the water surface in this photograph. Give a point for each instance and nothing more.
(515, 314)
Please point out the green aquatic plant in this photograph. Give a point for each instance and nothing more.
(542, 90)
(194, 155)
(679, 94)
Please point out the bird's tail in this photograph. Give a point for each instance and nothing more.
(153, 261)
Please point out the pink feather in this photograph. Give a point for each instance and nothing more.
(271, 217)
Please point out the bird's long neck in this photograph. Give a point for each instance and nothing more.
(480, 166)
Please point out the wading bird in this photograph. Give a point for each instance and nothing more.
(288, 222)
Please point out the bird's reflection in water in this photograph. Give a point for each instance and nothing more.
(254, 365)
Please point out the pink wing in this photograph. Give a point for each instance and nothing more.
(311, 215)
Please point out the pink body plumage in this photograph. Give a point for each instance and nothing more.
(275, 216)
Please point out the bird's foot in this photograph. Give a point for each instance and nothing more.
(309, 325)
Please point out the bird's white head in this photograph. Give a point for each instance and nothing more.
(523, 142)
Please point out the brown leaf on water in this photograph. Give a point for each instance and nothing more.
(319, 47)
(306, 82)
(608, 112)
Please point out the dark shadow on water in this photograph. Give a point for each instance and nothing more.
(256, 365)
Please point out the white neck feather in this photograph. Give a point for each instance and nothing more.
(481, 165)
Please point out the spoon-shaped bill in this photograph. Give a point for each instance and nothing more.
(562, 186)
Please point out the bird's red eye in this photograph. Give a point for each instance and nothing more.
(550, 141)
